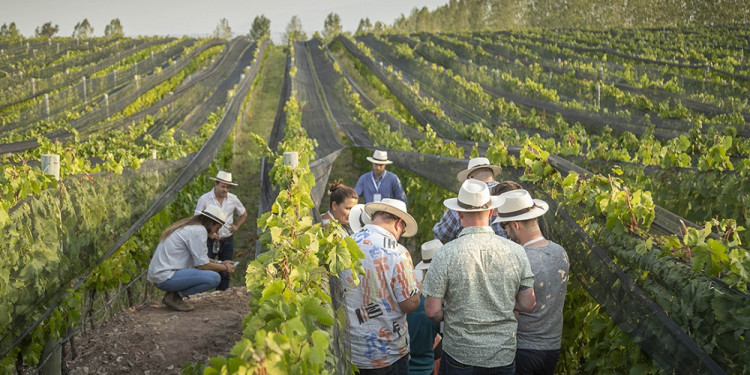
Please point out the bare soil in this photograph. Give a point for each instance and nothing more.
(154, 339)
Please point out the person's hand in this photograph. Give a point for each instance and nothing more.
(214, 236)
(233, 228)
(230, 266)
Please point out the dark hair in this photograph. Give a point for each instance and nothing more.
(504, 187)
(204, 220)
(386, 215)
(340, 192)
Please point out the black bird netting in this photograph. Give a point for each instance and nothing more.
(61, 217)
(639, 312)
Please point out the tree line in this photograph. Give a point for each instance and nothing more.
(477, 15)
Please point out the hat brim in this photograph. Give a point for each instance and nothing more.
(411, 224)
(376, 161)
(452, 204)
(461, 176)
(541, 209)
(358, 218)
(224, 181)
(422, 266)
(212, 217)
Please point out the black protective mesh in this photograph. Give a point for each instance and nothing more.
(144, 203)
(644, 321)
(84, 90)
(117, 102)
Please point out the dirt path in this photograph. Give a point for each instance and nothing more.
(154, 339)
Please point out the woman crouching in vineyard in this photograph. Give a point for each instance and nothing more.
(343, 198)
(180, 265)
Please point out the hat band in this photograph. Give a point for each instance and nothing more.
(515, 213)
(214, 218)
(374, 158)
(470, 207)
(426, 261)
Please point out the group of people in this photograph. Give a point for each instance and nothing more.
(195, 254)
(490, 287)
(487, 297)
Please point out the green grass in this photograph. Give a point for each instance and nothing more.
(257, 117)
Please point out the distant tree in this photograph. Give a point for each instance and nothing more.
(365, 26)
(223, 31)
(331, 26)
(114, 29)
(10, 31)
(378, 28)
(294, 31)
(261, 28)
(83, 29)
(47, 30)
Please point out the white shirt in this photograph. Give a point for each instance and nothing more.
(184, 248)
(231, 206)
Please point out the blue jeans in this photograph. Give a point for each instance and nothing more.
(226, 252)
(536, 362)
(450, 366)
(400, 367)
(190, 281)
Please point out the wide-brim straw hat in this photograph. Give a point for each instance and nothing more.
(429, 249)
(519, 206)
(474, 196)
(478, 163)
(379, 157)
(215, 213)
(395, 207)
(224, 177)
(358, 218)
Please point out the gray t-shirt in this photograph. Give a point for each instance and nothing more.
(478, 275)
(542, 328)
(184, 248)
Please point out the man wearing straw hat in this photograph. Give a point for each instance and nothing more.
(482, 278)
(221, 243)
(379, 183)
(377, 307)
(539, 331)
(449, 226)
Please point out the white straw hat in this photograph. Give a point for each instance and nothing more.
(358, 218)
(224, 177)
(215, 213)
(379, 157)
(478, 163)
(428, 251)
(474, 196)
(395, 207)
(519, 206)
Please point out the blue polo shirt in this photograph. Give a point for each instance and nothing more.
(388, 186)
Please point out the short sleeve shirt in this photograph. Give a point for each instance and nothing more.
(478, 276)
(388, 186)
(378, 329)
(541, 329)
(184, 248)
(231, 206)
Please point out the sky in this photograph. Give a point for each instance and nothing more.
(199, 17)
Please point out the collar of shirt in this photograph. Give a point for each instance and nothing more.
(486, 229)
(382, 176)
(380, 230)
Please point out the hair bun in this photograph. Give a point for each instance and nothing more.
(335, 185)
